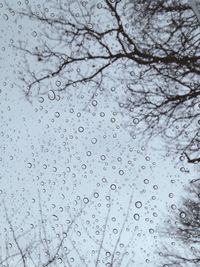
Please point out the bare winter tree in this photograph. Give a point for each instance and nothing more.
(69, 244)
(184, 232)
(149, 50)
(41, 245)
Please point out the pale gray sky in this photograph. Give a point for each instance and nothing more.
(72, 154)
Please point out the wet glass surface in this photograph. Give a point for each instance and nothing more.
(99, 133)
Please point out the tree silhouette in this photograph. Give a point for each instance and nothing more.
(148, 50)
(61, 244)
(184, 230)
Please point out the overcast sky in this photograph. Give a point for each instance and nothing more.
(72, 155)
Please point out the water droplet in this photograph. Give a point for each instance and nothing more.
(57, 114)
(121, 172)
(51, 95)
(94, 103)
(136, 216)
(94, 141)
(85, 200)
(81, 129)
(5, 16)
(41, 99)
(138, 204)
(182, 215)
(113, 187)
(29, 165)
